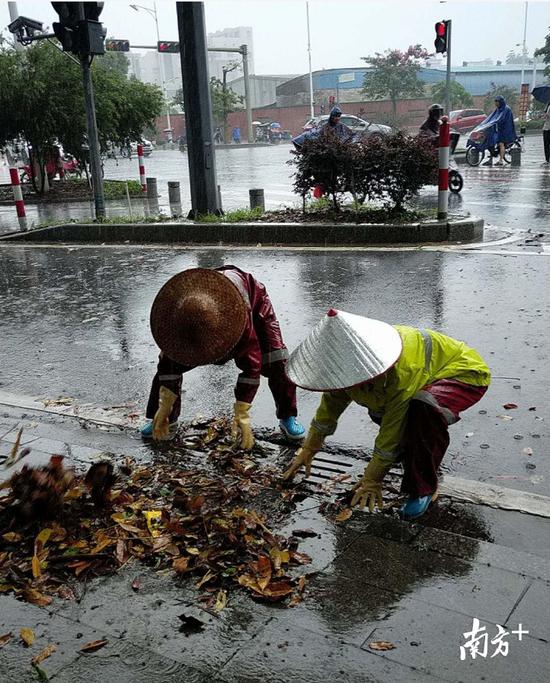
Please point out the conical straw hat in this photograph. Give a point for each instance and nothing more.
(343, 350)
(198, 317)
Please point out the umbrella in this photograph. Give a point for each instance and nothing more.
(542, 93)
(275, 125)
(257, 123)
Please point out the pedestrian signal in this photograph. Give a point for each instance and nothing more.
(441, 36)
(117, 45)
(168, 46)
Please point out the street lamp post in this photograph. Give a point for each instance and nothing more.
(524, 49)
(154, 14)
(225, 71)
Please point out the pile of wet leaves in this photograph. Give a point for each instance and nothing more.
(59, 528)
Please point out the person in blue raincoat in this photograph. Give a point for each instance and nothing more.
(335, 127)
(504, 128)
(332, 127)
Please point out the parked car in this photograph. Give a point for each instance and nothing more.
(465, 120)
(147, 147)
(356, 124)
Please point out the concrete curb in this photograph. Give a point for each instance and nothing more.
(276, 234)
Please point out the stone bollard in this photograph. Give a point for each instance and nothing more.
(174, 194)
(257, 199)
(151, 188)
(515, 156)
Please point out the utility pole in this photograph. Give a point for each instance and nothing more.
(93, 140)
(524, 48)
(250, 132)
(311, 107)
(448, 76)
(12, 6)
(153, 12)
(197, 104)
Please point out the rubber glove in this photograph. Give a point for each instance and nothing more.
(241, 430)
(304, 455)
(369, 488)
(161, 425)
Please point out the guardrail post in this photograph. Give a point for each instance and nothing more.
(443, 186)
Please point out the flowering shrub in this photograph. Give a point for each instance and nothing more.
(389, 170)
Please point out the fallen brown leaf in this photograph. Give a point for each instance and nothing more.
(46, 652)
(36, 597)
(36, 571)
(5, 639)
(345, 514)
(136, 584)
(27, 636)
(221, 600)
(510, 406)
(180, 564)
(93, 645)
(381, 645)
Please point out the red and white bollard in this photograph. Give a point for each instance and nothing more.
(141, 168)
(18, 196)
(443, 194)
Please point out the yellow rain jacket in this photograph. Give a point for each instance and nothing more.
(427, 356)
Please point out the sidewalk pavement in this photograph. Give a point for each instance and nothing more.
(377, 578)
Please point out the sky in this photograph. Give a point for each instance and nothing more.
(342, 31)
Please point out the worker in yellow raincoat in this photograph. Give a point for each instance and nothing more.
(414, 383)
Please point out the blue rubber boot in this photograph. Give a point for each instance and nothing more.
(292, 429)
(416, 507)
(147, 431)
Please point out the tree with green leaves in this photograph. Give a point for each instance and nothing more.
(43, 101)
(509, 94)
(223, 101)
(460, 97)
(544, 52)
(394, 75)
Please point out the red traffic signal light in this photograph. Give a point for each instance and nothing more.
(168, 46)
(441, 36)
(117, 45)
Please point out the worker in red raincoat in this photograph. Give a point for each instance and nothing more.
(202, 317)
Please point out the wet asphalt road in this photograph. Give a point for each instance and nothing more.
(75, 323)
(515, 199)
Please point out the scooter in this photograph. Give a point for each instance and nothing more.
(456, 181)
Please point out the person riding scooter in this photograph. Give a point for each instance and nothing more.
(430, 127)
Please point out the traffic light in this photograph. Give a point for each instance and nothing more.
(168, 46)
(77, 34)
(441, 36)
(112, 45)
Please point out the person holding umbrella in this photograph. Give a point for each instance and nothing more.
(414, 384)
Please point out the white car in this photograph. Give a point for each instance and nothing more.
(354, 123)
(147, 147)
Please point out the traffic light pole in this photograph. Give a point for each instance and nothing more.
(93, 142)
(448, 79)
(198, 108)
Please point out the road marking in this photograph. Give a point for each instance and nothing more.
(481, 493)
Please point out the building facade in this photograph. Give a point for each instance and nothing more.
(263, 89)
(230, 37)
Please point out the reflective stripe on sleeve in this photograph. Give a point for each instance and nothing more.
(273, 356)
(248, 380)
(324, 429)
(428, 398)
(427, 349)
(388, 455)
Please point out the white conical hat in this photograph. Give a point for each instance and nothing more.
(343, 350)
